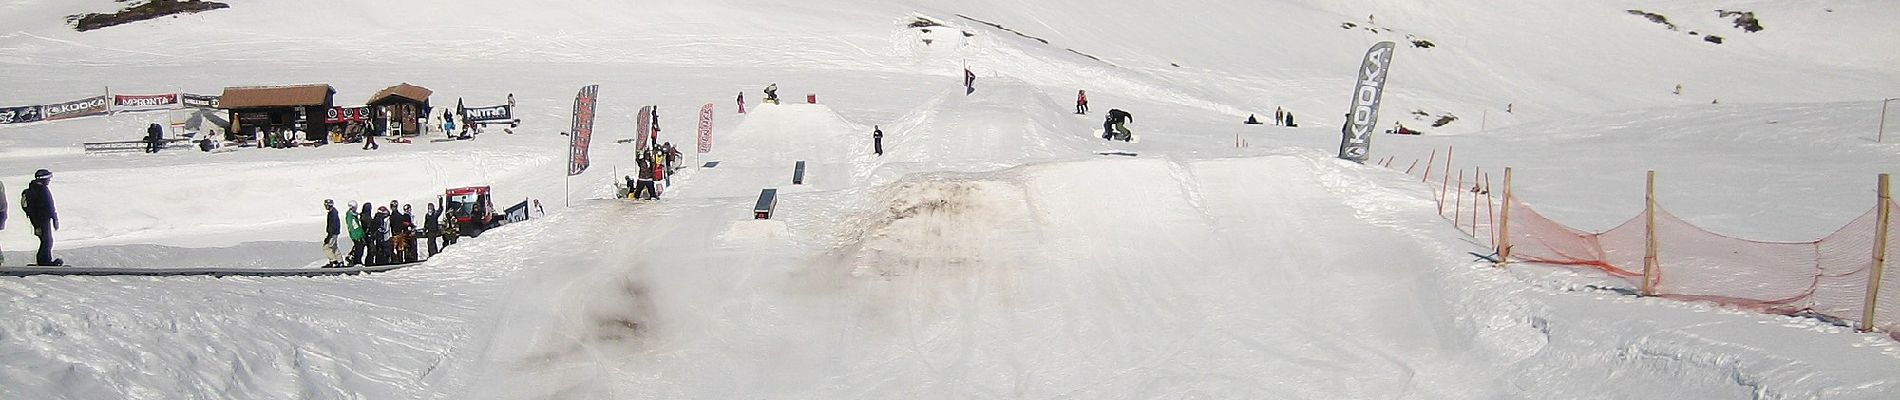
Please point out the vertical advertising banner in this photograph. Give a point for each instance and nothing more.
(1356, 142)
(705, 128)
(644, 124)
(583, 130)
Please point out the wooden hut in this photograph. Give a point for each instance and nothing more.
(277, 108)
(402, 109)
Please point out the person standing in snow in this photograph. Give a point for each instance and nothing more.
(1115, 127)
(409, 234)
(154, 138)
(432, 227)
(355, 225)
(37, 202)
(450, 229)
(742, 102)
(380, 226)
(771, 93)
(1279, 116)
(369, 137)
(1081, 102)
(877, 140)
(331, 227)
(643, 190)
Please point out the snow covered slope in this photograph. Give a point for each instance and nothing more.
(990, 252)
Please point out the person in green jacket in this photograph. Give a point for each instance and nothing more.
(356, 237)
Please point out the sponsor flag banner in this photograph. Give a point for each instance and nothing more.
(339, 115)
(19, 115)
(77, 108)
(198, 100)
(644, 124)
(122, 102)
(488, 114)
(705, 128)
(583, 130)
(1356, 142)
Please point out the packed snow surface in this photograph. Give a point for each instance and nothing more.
(991, 252)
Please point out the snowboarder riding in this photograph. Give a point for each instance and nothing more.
(1115, 127)
(771, 93)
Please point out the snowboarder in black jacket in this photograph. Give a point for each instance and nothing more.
(154, 138)
(332, 226)
(37, 202)
(877, 140)
(1114, 127)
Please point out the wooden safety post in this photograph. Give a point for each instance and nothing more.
(1458, 203)
(1882, 218)
(1504, 223)
(1649, 234)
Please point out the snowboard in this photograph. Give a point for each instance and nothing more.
(1117, 153)
(1132, 136)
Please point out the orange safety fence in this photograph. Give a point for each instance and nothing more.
(1827, 278)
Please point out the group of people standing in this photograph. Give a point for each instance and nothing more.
(37, 202)
(656, 166)
(386, 235)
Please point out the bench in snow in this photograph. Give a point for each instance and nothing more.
(768, 199)
(798, 173)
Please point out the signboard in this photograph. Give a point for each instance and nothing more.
(705, 128)
(1356, 142)
(583, 130)
(338, 115)
(77, 108)
(487, 114)
(19, 115)
(198, 100)
(122, 102)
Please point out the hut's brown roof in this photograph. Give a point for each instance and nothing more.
(400, 92)
(275, 96)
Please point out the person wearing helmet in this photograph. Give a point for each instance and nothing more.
(37, 202)
(332, 227)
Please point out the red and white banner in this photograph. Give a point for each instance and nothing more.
(338, 115)
(125, 102)
(582, 133)
(705, 128)
(644, 124)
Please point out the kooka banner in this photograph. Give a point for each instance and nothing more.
(489, 114)
(198, 100)
(76, 108)
(1364, 114)
(19, 115)
(124, 102)
(583, 130)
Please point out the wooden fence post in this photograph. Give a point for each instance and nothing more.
(1458, 203)
(1428, 167)
(1649, 234)
(1504, 223)
(1883, 217)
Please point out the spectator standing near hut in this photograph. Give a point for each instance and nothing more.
(331, 227)
(37, 202)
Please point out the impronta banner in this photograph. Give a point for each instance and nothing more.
(1356, 142)
(644, 126)
(198, 100)
(583, 130)
(339, 115)
(705, 128)
(77, 108)
(489, 114)
(19, 115)
(124, 102)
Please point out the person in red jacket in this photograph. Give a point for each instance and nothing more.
(1081, 102)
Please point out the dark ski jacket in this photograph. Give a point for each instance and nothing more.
(432, 224)
(646, 168)
(37, 201)
(332, 225)
(3, 205)
(399, 222)
(1116, 116)
(379, 226)
(154, 132)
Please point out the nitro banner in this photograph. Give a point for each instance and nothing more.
(583, 130)
(1357, 132)
(339, 115)
(123, 102)
(19, 115)
(705, 128)
(198, 100)
(77, 108)
(644, 122)
(486, 114)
